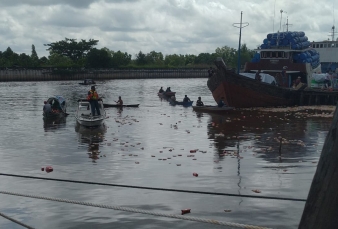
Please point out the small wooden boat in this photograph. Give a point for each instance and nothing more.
(105, 105)
(185, 104)
(166, 94)
(215, 109)
(58, 104)
(88, 82)
(84, 117)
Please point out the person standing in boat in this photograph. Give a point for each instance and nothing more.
(120, 101)
(258, 77)
(168, 89)
(186, 99)
(199, 102)
(161, 90)
(93, 98)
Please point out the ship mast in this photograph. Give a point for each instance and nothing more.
(241, 25)
(287, 24)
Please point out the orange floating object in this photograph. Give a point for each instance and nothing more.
(49, 169)
(195, 174)
(185, 211)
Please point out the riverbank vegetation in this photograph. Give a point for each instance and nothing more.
(70, 53)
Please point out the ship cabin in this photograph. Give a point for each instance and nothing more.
(274, 61)
(328, 51)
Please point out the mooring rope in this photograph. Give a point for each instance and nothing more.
(15, 221)
(134, 210)
(153, 188)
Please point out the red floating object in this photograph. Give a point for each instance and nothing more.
(42, 169)
(195, 174)
(192, 151)
(49, 169)
(185, 211)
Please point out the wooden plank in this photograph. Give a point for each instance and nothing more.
(321, 208)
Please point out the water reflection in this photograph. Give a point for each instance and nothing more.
(53, 124)
(262, 132)
(92, 137)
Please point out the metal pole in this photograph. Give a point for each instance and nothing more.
(239, 43)
(239, 46)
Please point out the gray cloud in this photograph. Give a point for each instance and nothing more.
(171, 26)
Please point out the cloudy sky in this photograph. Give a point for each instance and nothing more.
(167, 26)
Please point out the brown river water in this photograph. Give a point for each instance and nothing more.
(150, 146)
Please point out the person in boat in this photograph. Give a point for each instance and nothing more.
(93, 99)
(186, 99)
(298, 81)
(161, 90)
(258, 77)
(199, 102)
(221, 102)
(120, 101)
(210, 72)
(168, 89)
(327, 80)
(47, 108)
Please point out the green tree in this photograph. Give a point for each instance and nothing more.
(155, 58)
(34, 57)
(98, 58)
(120, 59)
(71, 48)
(189, 59)
(57, 60)
(174, 60)
(25, 60)
(141, 59)
(228, 54)
(205, 58)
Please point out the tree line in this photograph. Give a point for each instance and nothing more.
(70, 53)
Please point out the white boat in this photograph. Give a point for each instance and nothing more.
(84, 117)
(327, 50)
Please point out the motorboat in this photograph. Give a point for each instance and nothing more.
(84, 116)
(58, 105)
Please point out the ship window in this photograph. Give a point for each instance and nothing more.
(321, 45)
(317, 45)
(273, 54)
(325, 45)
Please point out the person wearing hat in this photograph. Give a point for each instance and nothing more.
(186, 99)
(93, 98)
(199, 102)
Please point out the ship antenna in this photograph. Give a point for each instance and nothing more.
(241, 25)
(280, 23)
(274, 15)
(287, 24)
